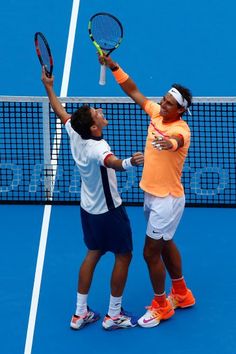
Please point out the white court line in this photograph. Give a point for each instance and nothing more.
(47, 208)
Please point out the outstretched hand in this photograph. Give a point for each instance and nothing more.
(137, 159)
(162, 143)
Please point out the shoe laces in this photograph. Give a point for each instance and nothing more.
(77, 317)
(155, 310)
(175, 298)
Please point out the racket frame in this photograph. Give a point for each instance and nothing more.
(40, 34)
(101, 51)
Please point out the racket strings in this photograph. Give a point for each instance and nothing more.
(44, 53)
(106, 32)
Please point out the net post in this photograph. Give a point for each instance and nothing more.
(48, 172)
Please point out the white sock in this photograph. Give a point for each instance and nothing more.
(81, 304)
(114, 306)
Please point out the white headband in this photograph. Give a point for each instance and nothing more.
(179, 98)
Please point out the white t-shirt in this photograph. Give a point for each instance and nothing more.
(99, 191)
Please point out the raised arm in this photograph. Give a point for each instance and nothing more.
(55, 103)
(125, 82)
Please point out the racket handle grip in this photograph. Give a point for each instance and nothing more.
(102, 80)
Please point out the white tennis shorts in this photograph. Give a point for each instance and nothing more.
(163, 215)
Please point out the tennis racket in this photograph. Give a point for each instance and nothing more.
(106, 33)
(44, 53)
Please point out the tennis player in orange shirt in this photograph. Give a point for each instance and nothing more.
(167, 144)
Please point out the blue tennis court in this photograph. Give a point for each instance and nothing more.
(202, 35)
(205, 237)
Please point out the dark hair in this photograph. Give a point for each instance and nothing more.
(185, 92)
(81, 121)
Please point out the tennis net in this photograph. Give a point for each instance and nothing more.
(36, 164)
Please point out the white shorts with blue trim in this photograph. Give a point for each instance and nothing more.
(163, 215)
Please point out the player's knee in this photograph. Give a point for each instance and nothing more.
(150, 255)
(129, 257)
(124, 258)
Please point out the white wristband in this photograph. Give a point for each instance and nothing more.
(126, 163)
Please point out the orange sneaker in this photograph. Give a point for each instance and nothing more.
(181, 301)
(155, 314)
